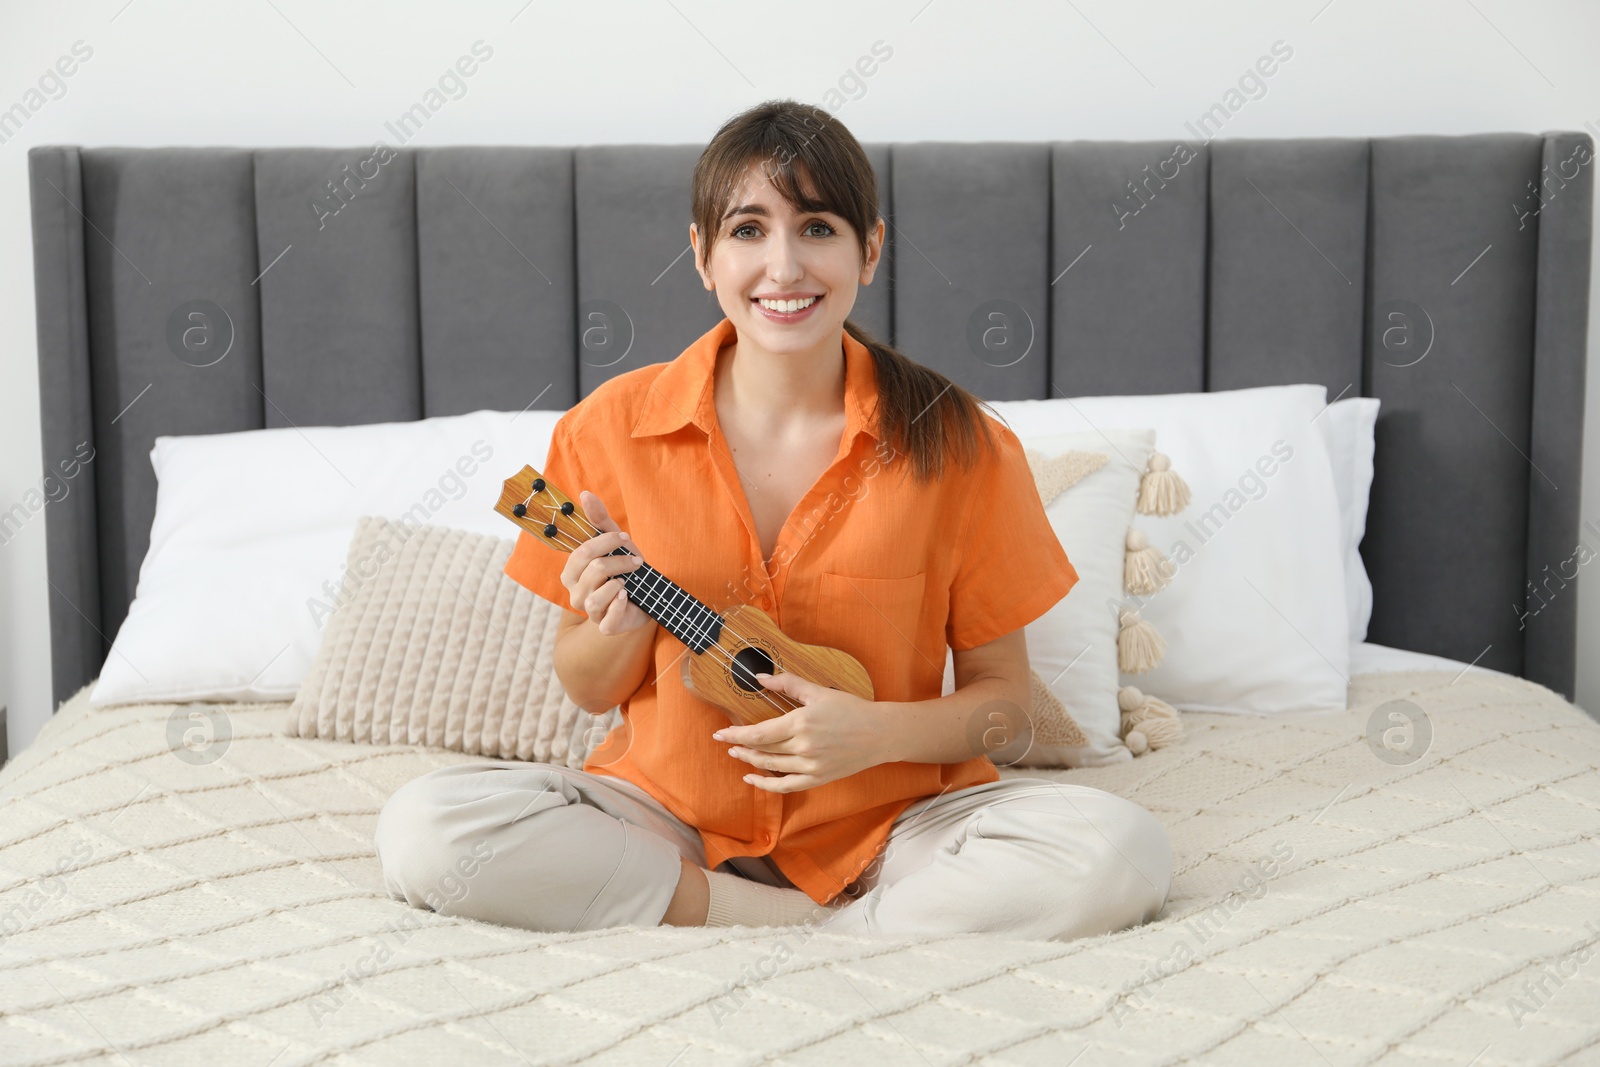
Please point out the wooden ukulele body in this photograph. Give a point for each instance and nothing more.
(748, 641)
(751, 643)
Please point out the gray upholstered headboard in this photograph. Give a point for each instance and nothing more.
(354, 286)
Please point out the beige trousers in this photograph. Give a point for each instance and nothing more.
(551, 848)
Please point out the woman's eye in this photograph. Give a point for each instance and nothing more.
(828, 230)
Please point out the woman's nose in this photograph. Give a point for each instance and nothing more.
(783, 259)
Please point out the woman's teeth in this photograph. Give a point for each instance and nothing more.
(788, 306)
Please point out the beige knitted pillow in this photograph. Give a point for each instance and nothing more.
(432, 644)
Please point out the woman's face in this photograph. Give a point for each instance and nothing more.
(810, 260)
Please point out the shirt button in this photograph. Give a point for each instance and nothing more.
(765, 838)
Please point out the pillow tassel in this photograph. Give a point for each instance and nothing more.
(1147, 722)
(1162, 491)
(1139, 647)
(1144, 568)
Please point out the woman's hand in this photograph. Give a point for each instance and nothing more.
(833, 734)
(592, 576)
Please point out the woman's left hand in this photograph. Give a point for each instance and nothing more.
(833, 734)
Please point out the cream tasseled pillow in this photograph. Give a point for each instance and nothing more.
(1109, 569)
(1092, 485)
(431, 644)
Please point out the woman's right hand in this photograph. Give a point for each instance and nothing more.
(591, 575)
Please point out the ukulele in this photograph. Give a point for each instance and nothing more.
(730, 648)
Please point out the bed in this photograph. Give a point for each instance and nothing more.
(236, 913)
(1328, 905)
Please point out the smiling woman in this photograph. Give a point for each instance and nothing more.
(897, 821)
(768, 238)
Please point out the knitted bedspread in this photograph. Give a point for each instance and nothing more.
(1429, 896)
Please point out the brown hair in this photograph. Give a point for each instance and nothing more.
(922, 413)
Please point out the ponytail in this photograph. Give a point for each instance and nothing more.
(924, 414)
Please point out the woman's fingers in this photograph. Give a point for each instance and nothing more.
(595, 508)
(622, 615)
(607, 567)
(604, 596)
(609, 536)
(785, 783)
(610, 619)
(592, 564)
(772, 759)
(595, 563)
(598, 604)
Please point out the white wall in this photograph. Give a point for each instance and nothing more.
(302, 72)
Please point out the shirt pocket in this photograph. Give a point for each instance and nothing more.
(876, 620)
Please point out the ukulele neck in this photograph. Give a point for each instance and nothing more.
(674, 607)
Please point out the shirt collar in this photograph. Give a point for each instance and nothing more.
(683, 392)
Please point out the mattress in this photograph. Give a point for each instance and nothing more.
(1368, 658)
(1431, 900)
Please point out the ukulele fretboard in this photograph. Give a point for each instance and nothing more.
(667, 602)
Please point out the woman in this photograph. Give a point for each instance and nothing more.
(788, 460)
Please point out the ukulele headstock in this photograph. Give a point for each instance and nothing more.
(546, 512)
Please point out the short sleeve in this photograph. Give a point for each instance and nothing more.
(1010, 566)
(534, 563)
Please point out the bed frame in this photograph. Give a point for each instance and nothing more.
(1448, 276)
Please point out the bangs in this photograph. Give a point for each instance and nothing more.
(784, 164)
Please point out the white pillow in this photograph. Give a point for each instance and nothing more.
(1349, 427)
(1073, 646)
(1254, 616)
(252, 530)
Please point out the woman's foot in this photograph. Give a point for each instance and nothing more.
(739, 901)
(720, 898)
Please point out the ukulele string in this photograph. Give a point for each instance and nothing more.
(658, 595)
(654, 598)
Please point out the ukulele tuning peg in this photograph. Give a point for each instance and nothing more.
(538, 485)
(519, 510)
(550, 530)
(566, 507)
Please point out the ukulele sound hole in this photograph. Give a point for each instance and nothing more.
(748, 663)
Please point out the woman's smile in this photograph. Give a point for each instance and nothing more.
(792, 309)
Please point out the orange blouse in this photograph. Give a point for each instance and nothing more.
(869, 562)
